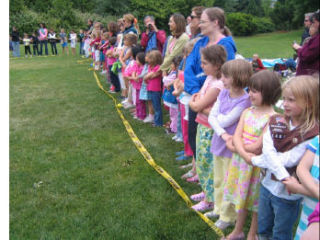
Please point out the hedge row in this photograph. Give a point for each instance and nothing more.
(243, 24)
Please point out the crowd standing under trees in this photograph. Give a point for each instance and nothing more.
(245, 156)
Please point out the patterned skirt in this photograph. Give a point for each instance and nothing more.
(242, 184)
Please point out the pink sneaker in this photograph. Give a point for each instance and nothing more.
(202, 206)
(198, 197)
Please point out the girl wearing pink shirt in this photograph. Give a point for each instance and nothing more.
(212, 58)
(140, 104)
(153, 79)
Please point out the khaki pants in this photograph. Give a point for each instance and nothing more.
(223, 208)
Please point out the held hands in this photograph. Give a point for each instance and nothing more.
(292, 184)
(226, 137)
(230, 145)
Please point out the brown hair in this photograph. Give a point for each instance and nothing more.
(198, 10)
(155, 58)
(216, 13)
(269, 84)
(113, 28)
(131, 38)
(180, 22)
(215, 55)
(239, 70)
(305, 90)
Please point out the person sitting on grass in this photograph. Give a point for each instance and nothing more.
(257, 63)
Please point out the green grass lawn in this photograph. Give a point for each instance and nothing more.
(75, 173)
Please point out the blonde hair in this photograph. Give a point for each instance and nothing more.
(239, 70)
(305, 90)
(189, 46)
(131, 38)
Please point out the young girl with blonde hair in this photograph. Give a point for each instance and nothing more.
(284, 143)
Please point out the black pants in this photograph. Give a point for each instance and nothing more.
(114, 80)
(35, 49)
(27, 50)
(192, 130)
(54, 48)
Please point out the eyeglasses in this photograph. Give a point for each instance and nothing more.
(203, 22)
(306, 20)
(192, 17)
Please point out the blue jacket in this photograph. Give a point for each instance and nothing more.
(194, 76)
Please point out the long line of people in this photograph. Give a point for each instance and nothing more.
(243, 154)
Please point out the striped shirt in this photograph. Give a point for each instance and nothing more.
(309, 204)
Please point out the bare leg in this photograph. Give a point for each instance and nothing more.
(238, 229)
(254, 227)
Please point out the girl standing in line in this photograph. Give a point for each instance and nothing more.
(223, 118)
(242, 180)
(308, 173)
(130, 40)
(140, 104)
(284, 143)
(26, 42)
(52, 40)
(168, 99)
(153, 80)
(64, 41)
(212, 58)
(73, 42)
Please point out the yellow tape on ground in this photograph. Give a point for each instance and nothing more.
(150, 160)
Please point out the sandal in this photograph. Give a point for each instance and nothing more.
(238, 237)
(188, 174)
(198, 197)
(193, 179)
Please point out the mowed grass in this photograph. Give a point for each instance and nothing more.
(75, 173)
(269, 45)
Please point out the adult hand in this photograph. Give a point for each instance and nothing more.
(296, 46)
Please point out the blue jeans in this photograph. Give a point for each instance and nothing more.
(81, 48)
(45, 43)
(156, 103)
(16, 49)
(179, 129)
(276, 216)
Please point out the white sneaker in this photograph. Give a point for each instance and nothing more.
(128, 105)
(124, 101)
(174, 137)
(179, 139)
(211, 214)
(148, 119)
(103, 72)
(223, 225)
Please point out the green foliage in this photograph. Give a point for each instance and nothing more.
(289, 14)
(240, 24)
(263, 25)
(283, 14)
(162, 9)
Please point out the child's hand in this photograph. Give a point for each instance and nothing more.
(292, 184)
(230, 145)
(226, 137)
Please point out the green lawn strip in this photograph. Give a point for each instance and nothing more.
(66, 133)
